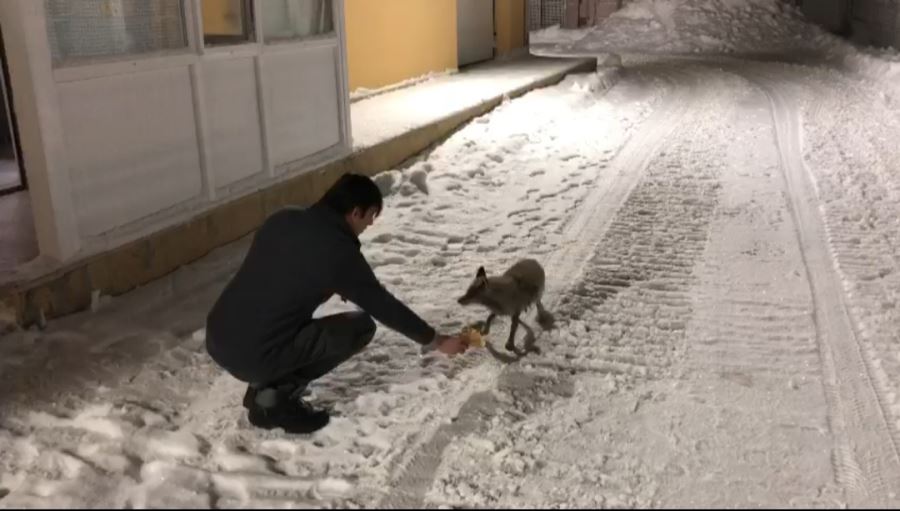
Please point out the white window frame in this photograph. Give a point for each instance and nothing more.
(315, 40)
(57, 227)
(260, 46)
(94, 67)
(196, 52)
(108, 64)
(197, 6)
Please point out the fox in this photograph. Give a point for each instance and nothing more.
(520, 287)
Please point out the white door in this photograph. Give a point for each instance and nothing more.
(475, 30)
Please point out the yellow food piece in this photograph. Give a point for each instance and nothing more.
(473, 337)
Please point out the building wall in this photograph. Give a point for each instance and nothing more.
(509, 19)
(875, 22)
(117, 148)
(830, 14)
(593, 12)
(389, 41)
(867, 22)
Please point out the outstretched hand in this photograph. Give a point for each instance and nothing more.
(451, 345)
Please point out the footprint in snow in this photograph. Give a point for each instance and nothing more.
(383, 238)
(387, 261)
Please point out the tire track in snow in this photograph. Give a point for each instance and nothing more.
(592, 219)
(621, 324)
(855, 164)
(594, 216)
(634, 293)
(867, 461)
(749, 402)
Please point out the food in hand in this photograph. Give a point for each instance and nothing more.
(473, 337)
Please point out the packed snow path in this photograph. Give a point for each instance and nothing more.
(722, 246)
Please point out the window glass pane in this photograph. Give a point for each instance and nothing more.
(296, 19)
(100, 28)
(227, 21)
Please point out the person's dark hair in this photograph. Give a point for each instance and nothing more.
(353, 191)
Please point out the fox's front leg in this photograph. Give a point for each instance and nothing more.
(487, 324)
(511, 342)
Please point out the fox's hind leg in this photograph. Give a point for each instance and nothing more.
(544, 317)
(530, 339)
(511, 342)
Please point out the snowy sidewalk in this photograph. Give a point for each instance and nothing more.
(390, 115)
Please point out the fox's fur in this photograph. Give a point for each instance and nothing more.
(520, 287)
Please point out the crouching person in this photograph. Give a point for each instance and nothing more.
(261, 328)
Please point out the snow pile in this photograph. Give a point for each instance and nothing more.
(696, 26)
(875, 64)
(555, 34)
(722, 27)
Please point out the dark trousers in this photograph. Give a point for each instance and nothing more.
(320, 347)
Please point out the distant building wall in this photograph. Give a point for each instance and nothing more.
(592, 12)
(546, 13)
(830, 14)
(875, 22)
(868, 22)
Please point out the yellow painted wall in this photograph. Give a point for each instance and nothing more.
(389, 41)
(509, 19)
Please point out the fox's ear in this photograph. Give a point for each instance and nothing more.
(481, 273)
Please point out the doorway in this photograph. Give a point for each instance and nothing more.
(18, 243)
(12, 172)
(475, 31)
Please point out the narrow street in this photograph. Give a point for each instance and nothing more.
(721, 238)
(712, 356)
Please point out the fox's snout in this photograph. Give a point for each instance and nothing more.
(472, 295)
(476, 289)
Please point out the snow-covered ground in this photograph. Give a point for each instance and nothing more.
(722, 243)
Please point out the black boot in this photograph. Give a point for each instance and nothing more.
(250, 397)
(291, 414)
(299, 389)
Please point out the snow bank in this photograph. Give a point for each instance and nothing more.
(694, 26)
(731, 27)
(882, 66)
(555, 34)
